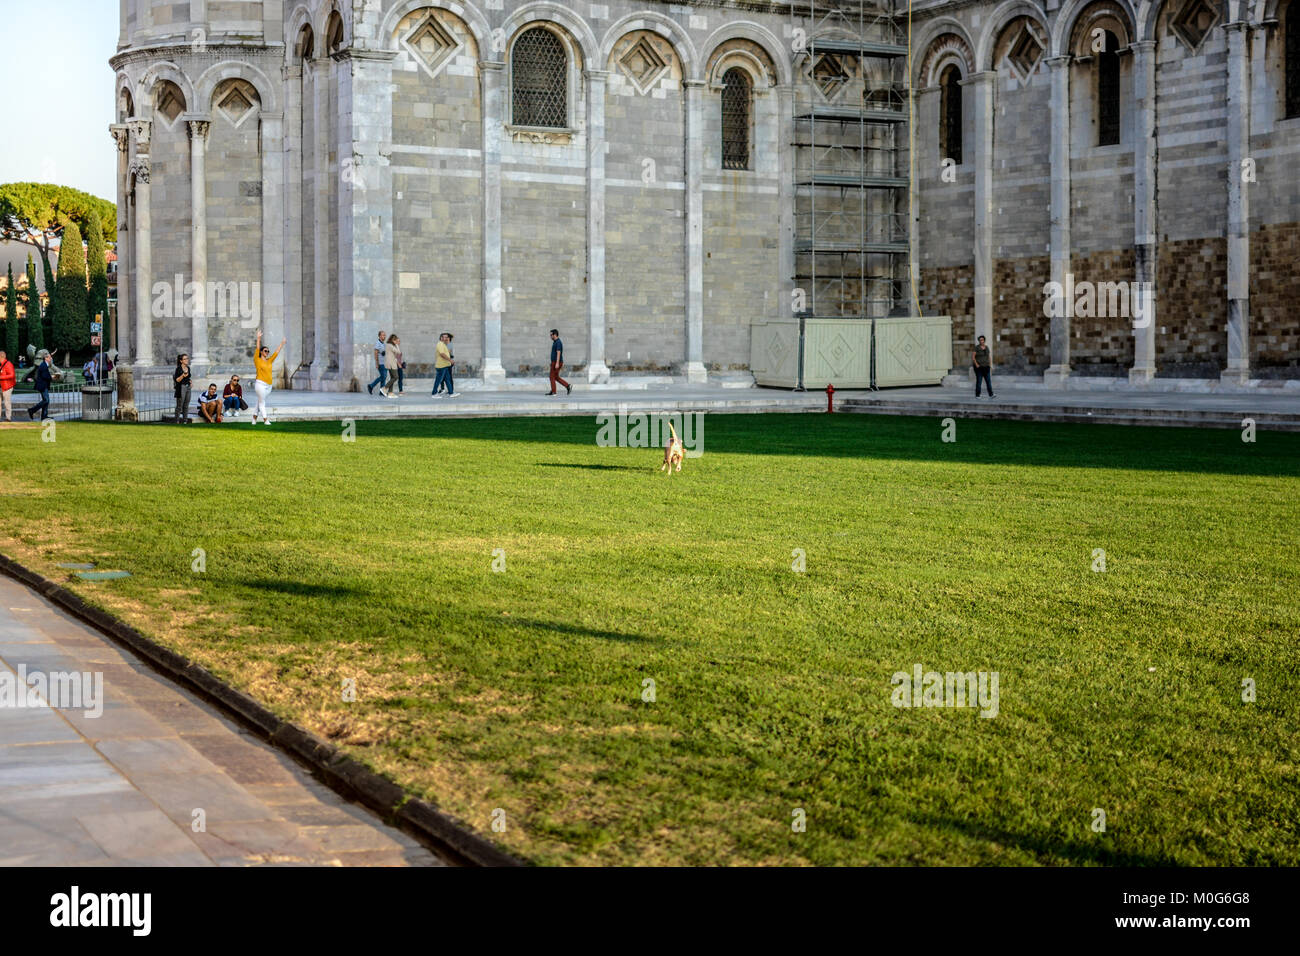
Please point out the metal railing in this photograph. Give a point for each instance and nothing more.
(155, 400)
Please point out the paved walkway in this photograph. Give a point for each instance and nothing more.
(122, 788)
(1269, 406)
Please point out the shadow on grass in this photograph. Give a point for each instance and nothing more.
(572, 630)
(891, 438)
(587, 467)
(1049, 849)
(301, 588)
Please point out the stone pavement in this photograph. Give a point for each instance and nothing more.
(122, 788)
(1271, 407)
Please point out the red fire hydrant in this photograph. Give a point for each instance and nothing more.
(830, 399)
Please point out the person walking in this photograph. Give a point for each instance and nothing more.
(393, 361)
(983, 367)
(264, 359)
(557, 363)
(44, 379)
(181, 384)
(379, 361)
(442, 366)
(8, 379)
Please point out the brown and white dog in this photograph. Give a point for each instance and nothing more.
(673, 452)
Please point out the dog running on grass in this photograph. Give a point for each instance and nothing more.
(673, 452)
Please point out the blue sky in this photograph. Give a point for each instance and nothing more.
(55, 63)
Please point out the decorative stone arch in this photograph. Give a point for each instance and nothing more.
(326, 20)
(293, 26)
(471, 16)
(433, 38)
(1020, 46)
(233, 69)
(124, 98)
(745, 53)
(997, 23)
(842, 73)
(925, 38)
(156, 72)
(235, 100)
(1167, 12)
(1079, 16)
(761, 37)
(670, 30)
(571, 28)
(944, 49)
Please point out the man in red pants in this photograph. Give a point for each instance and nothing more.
(557, 363)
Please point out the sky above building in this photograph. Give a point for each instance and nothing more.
(59, 93)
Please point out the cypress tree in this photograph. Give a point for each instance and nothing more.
(47, 331)
(97, 270)
(69, 304)
(11, 318)
(35, 327)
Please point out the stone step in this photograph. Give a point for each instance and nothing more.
(1187, 418)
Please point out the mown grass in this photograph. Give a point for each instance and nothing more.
(522, 691)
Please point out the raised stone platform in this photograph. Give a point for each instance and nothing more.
(1273, 408)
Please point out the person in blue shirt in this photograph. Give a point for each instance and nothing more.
(44, 379)
(557, 363)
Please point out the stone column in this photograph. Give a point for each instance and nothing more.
(913, 209)
(198, 130)
(1059, 369)
(1262, 90)
(291, 228)
(273, 248)
(597, 370)
(695, 371)
(121, 337)
(785, 242)
(323, 309)
(1238, 369)
(1145, 245)
(365, 135)
(985, 87)
(139, 172)
(490, 76)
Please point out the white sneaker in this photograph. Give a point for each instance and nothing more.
(266, 421)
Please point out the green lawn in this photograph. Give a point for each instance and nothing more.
(522, 691)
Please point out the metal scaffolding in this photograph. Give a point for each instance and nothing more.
(851, 161)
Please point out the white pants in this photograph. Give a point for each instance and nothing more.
(263, 391)
(7, 404)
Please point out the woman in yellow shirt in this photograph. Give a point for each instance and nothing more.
(263, 358)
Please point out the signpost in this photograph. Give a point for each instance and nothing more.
(97, 340)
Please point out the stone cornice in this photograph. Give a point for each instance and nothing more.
(356, 53)
(212, 51)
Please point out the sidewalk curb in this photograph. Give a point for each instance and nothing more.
(341, 773)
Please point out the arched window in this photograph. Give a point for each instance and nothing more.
(539, 71)
(306, 44)
(333, 33)
(736, 97)
(1108, 92)
(1291, 30)
(950, 114)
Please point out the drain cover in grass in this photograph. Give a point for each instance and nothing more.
(102, 575)
(77, 567)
